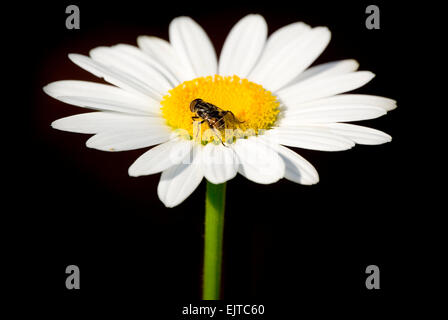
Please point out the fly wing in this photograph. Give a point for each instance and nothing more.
(230, 119)
(225, 119)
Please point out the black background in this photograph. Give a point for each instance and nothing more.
(295, 248)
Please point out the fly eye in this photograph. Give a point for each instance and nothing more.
(193, 104)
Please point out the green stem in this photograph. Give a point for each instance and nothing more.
(214, 226)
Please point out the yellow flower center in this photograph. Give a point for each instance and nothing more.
(254, 108)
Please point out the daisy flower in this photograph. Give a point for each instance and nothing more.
(274, 100)
(264, 81)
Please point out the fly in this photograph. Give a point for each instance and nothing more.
(216, 118)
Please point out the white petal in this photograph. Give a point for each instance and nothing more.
(102, 97)
(148, 60)
(193, 46)
(122, 140)
(179, 181)
(95, 122)
(162, 51)
(161, 157)
(320, 88)
(309, 137)
(328, 69)
(281, 38)
(330, 113)
(349, 100)
(358, 134)
(258, 162)
(130, 65)
(297, 169)
(115, 76)
(243, 46)
(219, 163)
(289, 61)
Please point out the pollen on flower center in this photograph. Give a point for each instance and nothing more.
(254, 107)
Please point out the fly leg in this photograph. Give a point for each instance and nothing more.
(215, 131)
(232, 121)
(217, 135)
(198, 127)
(219, 125)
